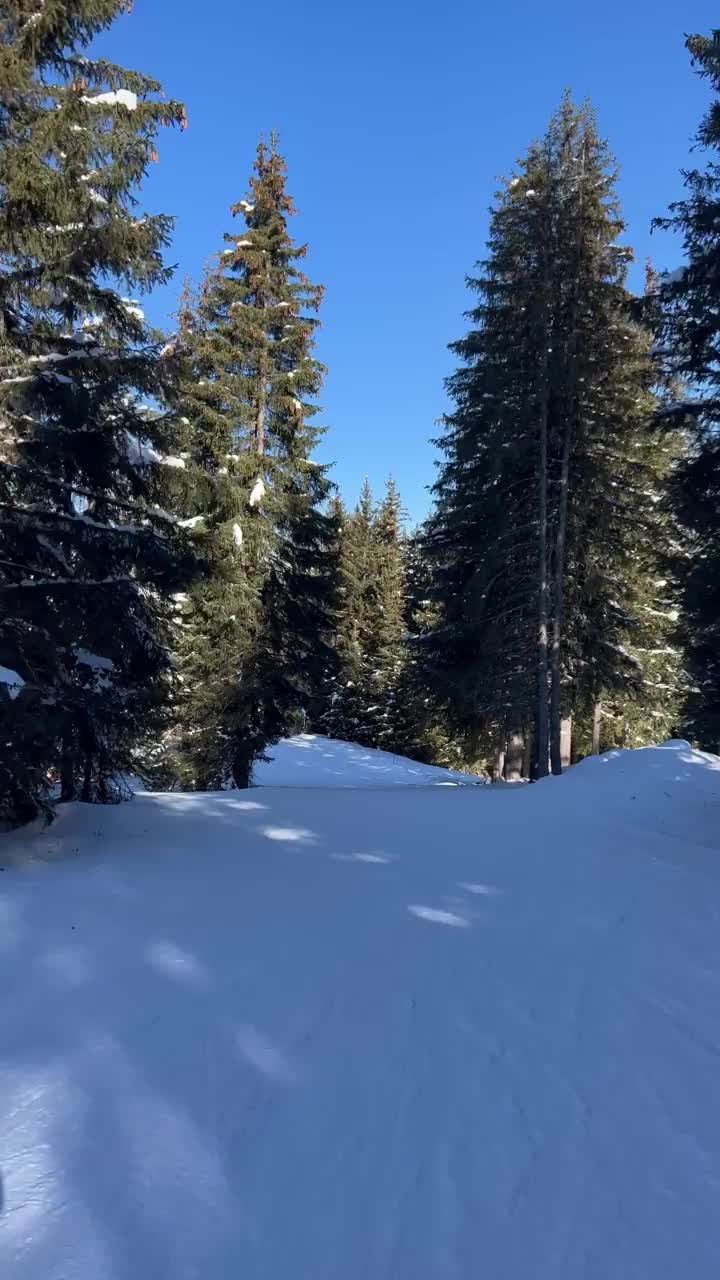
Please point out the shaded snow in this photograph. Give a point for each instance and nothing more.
(12, 681)
(94, 660)
(412, 1034)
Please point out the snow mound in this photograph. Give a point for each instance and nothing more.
(310, 760)
(414, 1033)
(653, 787)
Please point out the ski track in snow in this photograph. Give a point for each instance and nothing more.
(403, 1034)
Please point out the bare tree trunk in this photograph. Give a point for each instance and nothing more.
(544, 338)
(499, 762)
(597, 722)
(571, 386)
(87, 778)
(568, 442)
(541, 715)
(566, 741)
(67, 768)
(527, 752)
(260, 415)
(473, 744)
(558, 601)
(514, 754)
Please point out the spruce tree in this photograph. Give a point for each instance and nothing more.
(253, 648)
(689, 339)
(389, 648)
(87, 556)
(366, 703)
(345, 714)
(486, 538)
(548, 485)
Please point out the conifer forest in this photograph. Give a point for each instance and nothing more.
(182, 584)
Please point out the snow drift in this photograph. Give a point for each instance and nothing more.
(405, 1033)
(309, 760)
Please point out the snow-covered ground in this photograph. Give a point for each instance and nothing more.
(429, 1033)
(309, 760)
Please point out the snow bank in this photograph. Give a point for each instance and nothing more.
(647, 788)
(421, 1033)
(12, 681)
(309, 760)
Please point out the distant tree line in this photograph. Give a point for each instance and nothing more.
(181, 584)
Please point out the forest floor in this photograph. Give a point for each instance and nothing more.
(390, 1031)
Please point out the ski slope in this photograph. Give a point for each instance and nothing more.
(405, 1033)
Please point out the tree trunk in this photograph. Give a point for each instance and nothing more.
(565, 741)
(527, 753)
(87, 778)
(543, 413)
(260, 417)
(242, 769)
(262, 389)
(473, 745)
(541, 714)
(499, 762)
(67, 768)
(558, 602)
(514, 754)
(597, 722)
(571, 413)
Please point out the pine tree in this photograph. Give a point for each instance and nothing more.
(87, 556)
(551, 471)
(253, 650)
(366, 701)
(389, 648)
(486, 538)
(345, 714)
(689, 339)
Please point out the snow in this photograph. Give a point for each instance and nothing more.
(139, 452)
(257, 492)
(237, 535)
(33, 20)
(94, 660)
(310, 760)
(133, 308)
(408, 1033)
(115, 97)
(12, 681)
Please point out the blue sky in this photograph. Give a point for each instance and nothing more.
(395, 119)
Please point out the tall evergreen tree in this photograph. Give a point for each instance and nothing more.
(531, 530)
(689, 338)
(87, 556)
(365, 703)
(253, 648)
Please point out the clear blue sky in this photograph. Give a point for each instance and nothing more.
(395, 118)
